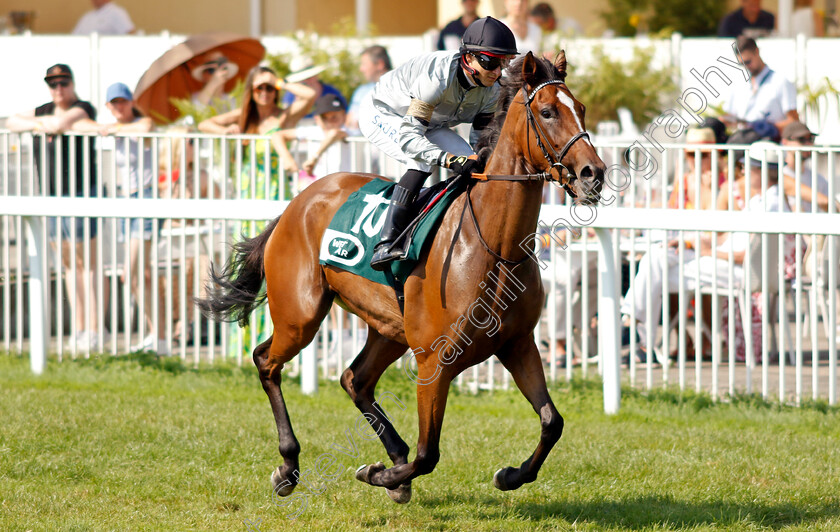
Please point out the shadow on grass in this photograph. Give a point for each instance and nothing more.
(646, 511)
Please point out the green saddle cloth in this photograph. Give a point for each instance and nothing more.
(354, 230)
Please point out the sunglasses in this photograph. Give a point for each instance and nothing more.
(56, 84)
(806, 139)
(489, 62)
(265, 87)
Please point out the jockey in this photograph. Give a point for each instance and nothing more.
(409, 113)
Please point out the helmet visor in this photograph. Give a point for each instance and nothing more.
(489, 61)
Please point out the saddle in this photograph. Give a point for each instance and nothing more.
(349, 240)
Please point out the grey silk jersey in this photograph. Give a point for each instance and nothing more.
(432, 79)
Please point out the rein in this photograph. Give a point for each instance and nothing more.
(554, 159)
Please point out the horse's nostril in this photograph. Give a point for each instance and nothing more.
(586, 172)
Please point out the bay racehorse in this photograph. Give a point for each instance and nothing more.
(538, 134)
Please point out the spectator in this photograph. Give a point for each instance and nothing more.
(305, 73)
(797, 135)
(706, 260)
(329, 132)
(528, 34)
(749, 20)
(761, 154)
(766, 103)
(106, 18)
(689, 187)
(450, 35)
(60, 178)
(568, 269)
(133, 158)
(214, 70)
(683, 196)
(543, 16)
(176, 153)
(261, 115)
(373, 63)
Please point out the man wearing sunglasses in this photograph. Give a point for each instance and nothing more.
(767, 99)
(65, 176)
(410, 112)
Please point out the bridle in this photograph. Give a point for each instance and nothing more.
(554, 159)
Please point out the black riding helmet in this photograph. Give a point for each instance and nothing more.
(488, 35)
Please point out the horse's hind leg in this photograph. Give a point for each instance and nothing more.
(295, 325)
(522, 359)
(359, 380)
(282, 479)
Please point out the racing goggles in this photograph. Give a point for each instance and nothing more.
(490, 61)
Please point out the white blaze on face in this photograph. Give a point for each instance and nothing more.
(568, 102)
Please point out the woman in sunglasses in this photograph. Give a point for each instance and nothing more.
(48, 123)
(410, 112)
(261, 114)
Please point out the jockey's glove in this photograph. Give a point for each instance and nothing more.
(463, 165)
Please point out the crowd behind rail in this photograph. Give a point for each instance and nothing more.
(290, 131)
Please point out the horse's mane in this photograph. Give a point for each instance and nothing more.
(511, 84)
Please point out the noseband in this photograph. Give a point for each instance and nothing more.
(554, 159)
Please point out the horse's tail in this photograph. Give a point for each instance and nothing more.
(237, 290)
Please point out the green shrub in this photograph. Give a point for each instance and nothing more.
(698, 18)
(624, 16)
(692, 19)
(343, 60)
(607, 84)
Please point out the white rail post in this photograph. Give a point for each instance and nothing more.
(608, 332)
(309, 368)
(37, 295)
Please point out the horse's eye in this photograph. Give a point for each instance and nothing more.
(545, 113)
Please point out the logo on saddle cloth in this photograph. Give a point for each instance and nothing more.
(348, 249)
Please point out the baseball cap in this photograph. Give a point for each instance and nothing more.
(327, 103)
(58, 71)
(118, 90)
(763, 151)
(796, 131)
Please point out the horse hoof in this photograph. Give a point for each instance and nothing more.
(365, 472)
(499, 479)
(279, 485)
(400, 495)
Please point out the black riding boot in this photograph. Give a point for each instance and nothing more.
(399, 214)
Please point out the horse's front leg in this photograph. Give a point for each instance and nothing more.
(432, 391)
(522, 358)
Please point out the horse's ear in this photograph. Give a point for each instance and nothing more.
(560, 64)
(529, 70)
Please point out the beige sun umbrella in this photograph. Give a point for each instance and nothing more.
(175, 73)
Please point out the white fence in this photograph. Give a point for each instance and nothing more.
(137, 289)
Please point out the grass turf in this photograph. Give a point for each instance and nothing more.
(137, 443)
